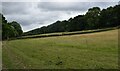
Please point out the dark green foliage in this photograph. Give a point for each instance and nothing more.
(95, 18)
(17, 27)
(0, 26)
(78, 23)
(110, 17)
(10, 30)
(59, 26)
(92, 18)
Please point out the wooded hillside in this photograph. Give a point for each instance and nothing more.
(95, 18)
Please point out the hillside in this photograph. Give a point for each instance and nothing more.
(65, 33)
(95, 18)
(85, 51)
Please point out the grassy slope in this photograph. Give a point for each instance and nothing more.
(86, 51)
(65, 33)
(0, 55)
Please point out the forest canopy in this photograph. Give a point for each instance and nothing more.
(95, 18)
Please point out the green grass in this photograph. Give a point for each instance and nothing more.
(65, 33)
(0, 55)
(85, 51)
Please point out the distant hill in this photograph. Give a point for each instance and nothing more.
(95, 18)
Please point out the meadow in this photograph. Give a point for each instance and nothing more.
(82, 51)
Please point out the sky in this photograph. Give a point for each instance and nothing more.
(35, 14)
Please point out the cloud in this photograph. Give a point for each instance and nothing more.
(61, 6)
(14, 8)
(33, 15)
(71, 6)
(60, 0)
(77, 0)
(0, 7)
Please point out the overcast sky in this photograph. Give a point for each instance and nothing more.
(33, 15)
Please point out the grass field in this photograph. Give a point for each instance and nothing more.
(64, 33)
(85, 51)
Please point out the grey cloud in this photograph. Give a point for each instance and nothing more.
(0, 7)
(34, 15)
(14, 8)
(61, 6)
(60, 0)
(41, 18)
(72, 6)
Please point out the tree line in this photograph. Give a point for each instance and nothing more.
(10, 29)
(95, 18)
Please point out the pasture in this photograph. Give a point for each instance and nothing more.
(82, 51)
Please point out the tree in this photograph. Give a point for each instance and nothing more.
(0, 26)
(95, 18)
(77, 23)
(17, 27)
(92, 18)
(110, 17)
(10, 30)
